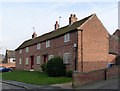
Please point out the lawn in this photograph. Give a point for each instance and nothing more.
(34, 77)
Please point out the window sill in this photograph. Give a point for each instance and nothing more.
(66, 63)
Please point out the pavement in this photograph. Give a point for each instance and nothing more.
(27, 85)
(107, 84)
(8, 86)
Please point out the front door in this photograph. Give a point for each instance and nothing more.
(45, 58)
(32, 62)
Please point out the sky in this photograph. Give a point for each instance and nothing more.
(17, 19)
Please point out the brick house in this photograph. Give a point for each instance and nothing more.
(9, 56)
(82, 44)
(114, 46)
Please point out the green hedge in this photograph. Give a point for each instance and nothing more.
(55, 67)
(43, 66)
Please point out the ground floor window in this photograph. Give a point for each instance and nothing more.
(20, 60)
(38, 59)
(50, 56)
(66, 58)
(27, 60)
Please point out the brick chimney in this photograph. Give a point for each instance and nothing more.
(34, 35)
(56, 25)
(72, 19)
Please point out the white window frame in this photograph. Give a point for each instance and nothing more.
(20, 61)
(27, 61)
(47, 43)
(64, 61)
(27, 49)
(20, 51)
(50, 56)
(39, 46)
(38, 59)
(67, 37)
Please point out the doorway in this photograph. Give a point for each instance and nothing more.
(45, 58)
(32, 62)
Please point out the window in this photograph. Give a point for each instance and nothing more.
(66, 58)
(27, 49)
(27, 60)
(20, 61)
(20, 51)
(38, 59)
(51, 56)
(47, 44)
(38, 46)
(12, 60)
(67, 37)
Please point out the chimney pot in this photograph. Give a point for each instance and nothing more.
(56, 22)
(72, 19)
(74, 15)
(34, 35)
(56, 25)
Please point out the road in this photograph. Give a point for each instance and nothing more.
(8, 86)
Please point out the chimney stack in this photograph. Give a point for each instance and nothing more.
(34, 35)
(56, 25)
(72, 19)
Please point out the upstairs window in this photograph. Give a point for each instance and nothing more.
(47, 44)
(27, 61)
(38, 46)
(66, 58)
(67, 37)
(51, 56)
(38, 59)
(20, 51)
(27, 49)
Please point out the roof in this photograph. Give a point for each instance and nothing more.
(117, 32)
(54, 33)
(116, 35)
(11, 54)
(117, 38)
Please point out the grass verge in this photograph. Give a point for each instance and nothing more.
(34, 77)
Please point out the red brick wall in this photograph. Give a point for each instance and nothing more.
(95, 45)
(82, 78)
(57, 48)
(111, 72)
(113, 45)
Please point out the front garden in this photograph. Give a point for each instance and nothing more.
(53, 73)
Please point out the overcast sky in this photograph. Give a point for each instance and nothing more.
(17, 19)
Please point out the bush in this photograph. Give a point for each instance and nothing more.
(43, 66)
(69, 73)
(55, 67)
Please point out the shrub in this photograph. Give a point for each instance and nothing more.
(43, 66)
(69, 73)
(55, 67)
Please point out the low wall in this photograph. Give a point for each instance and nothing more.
(7, 65)
(82, 78)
